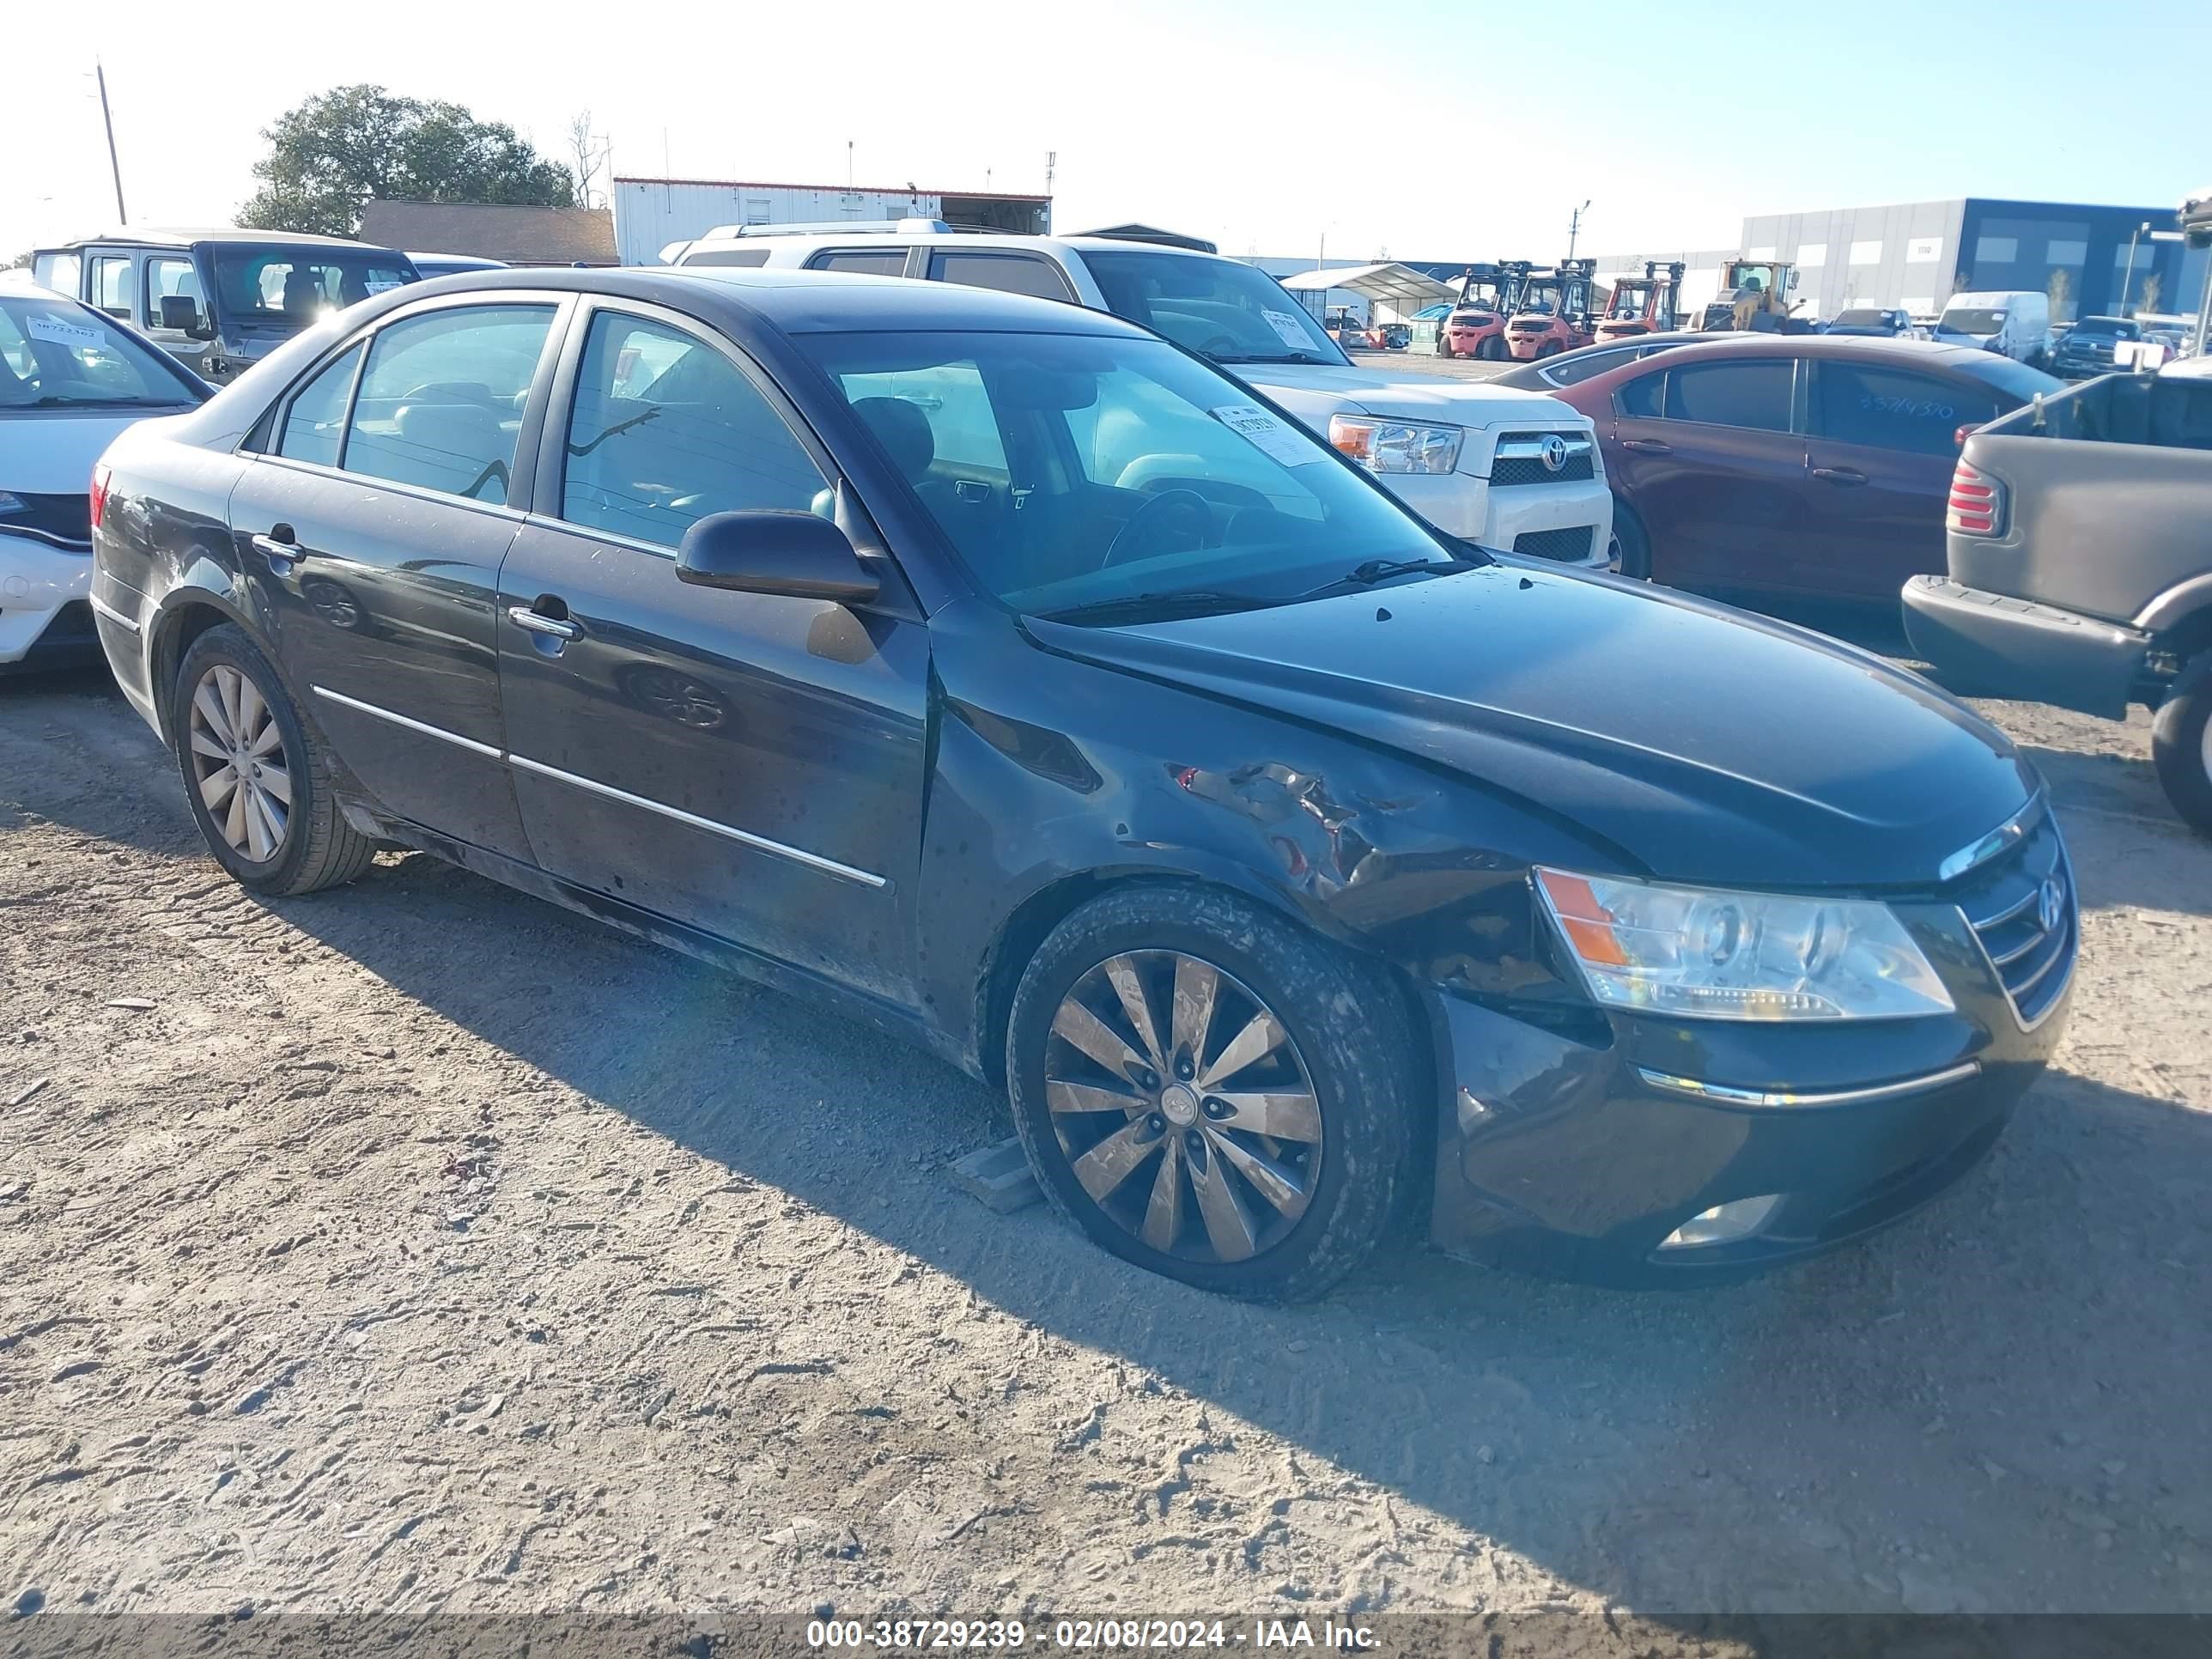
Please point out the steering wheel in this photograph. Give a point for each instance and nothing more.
(467, 391)
(1154, 516)
(1217, 344)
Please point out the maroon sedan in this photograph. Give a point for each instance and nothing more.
(1797, 463)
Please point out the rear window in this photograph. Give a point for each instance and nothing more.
(866, 261)
(2016, 383)
(292, 288)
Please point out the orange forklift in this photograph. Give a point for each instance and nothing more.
(1475, 325)
(1555, 313)
(1644, 305)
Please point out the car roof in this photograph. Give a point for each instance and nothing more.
(965, 238)
(1826, 346)
(794, 301)
(149, 236)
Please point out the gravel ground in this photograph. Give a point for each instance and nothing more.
(419, 1246)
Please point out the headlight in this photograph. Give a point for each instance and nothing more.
(1395, 445)
(1706, 953)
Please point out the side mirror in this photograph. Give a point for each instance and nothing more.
(182, 312)
(796, 555)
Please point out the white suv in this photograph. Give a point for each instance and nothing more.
(1509, 469)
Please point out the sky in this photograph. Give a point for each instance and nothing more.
(1374, 130)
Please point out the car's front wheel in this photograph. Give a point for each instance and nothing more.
(1212, 1092)
(256, 778)
(1492, 348)
(1629, 553)
(2181, 744)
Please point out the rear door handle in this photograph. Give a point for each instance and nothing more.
(280, 548)
(537, 621)
(1647, 445)
(1839, 474)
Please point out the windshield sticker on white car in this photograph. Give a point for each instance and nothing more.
(66, 334)
(1267, 433)
(383, 284)
(1292, 332)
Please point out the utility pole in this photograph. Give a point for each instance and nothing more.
(114, 167)
(2128, 281)
(848, 167)
(1575, 227)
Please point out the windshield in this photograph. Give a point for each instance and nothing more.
(293, 288)
(54, 355)
(2118, 327)
(1862, 320)
(1073, 470)
(1231, 313)
(1628, 300)
(1542, 295)
(1971, 320)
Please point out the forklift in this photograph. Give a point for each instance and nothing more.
(1488, 295)
(1555, 312)
(1755, 295)
(1644, 305)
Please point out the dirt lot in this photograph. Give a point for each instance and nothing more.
(420, 1247)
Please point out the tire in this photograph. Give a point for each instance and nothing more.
(1550, 349)
(1344, 1066)
(314, 847)
(1632, 545)
(2181, 744)
(1443, 347)
(1492, 348)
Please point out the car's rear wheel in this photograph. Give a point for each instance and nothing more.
(1629, 552)
(256, 778)
(1212, 1092)
(2181, 744)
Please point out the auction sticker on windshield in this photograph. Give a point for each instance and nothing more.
(1269, 435)
(66, 334)
(1292, 332)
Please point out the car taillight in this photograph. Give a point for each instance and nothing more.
(99, 492)
(1976, 504)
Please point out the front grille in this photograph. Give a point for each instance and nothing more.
(2003, 904)
(1519, 460)
(1568, 546)
(65, 518)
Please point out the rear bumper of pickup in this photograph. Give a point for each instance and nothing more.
(1994, 644)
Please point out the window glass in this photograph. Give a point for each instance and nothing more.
(314, 427)
(55, 354)
(867, 261)
(111, 285)
(1009, 273)
(290, 288)
(1639, 398)
(167, 274)
(1886, 409)
(1572, 371)
(963, 430)
(440, 404)
(1754, 395)
(1136, 473)
(729, 256)
(666, 430)
(1231, 313)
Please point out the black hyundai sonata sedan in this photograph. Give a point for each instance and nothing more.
(1006, 675)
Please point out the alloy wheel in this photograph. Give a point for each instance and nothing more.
(1182, 1107)
(239, 762)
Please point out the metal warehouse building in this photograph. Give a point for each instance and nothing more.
(651, 213)
(2093, 260)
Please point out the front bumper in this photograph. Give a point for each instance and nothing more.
(1999, 646)
(1469, 507)
(43, 616)
(1581, 1148)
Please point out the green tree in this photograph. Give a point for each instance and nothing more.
(342, 148)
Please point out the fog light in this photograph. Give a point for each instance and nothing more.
(1723, 1224)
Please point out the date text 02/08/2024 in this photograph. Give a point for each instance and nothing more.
(1084, 1634)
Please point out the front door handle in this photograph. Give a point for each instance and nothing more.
(280, 548)
(1647, 445)
(537, 621)
(1839, 474)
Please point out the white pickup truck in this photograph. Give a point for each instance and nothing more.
(1516, 470)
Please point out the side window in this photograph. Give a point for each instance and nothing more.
(1639, 398)
(953, 406)
(867, 261)
(1583, 365)
(1009, 273)
(167, 275)
(441, 402)
(729, 256)
(1752, 395)
(315, 426)
(665, 430)
(1890, 408)
(111, 284)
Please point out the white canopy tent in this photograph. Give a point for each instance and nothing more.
(1398, 291)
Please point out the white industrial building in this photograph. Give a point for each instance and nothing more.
(651, 213)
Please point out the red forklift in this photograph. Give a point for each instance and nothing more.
(1644, 305)
(1555, 314)
(1475, 325)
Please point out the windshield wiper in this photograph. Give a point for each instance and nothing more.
(1371, 571)
(1157, 607)
(1314, 357)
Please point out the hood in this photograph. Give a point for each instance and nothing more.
(1706, 744)
(51, 451)
(1316, 389)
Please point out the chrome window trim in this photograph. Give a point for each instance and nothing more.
(713, 826)
(1720, 1094)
